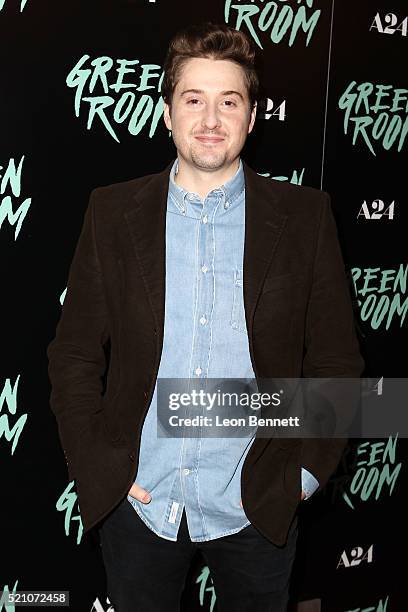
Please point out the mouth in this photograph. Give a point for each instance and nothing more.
(209, 139)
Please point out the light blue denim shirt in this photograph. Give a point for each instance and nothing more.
(205, 336)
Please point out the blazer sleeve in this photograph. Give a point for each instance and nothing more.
(331, 345)
(76, 356)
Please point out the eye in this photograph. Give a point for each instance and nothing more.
(230, 103)
(192, 101)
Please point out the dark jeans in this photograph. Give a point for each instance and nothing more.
(147, 573)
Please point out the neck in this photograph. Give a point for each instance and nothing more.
(203, 181)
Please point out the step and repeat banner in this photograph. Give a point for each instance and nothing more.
(81, 107)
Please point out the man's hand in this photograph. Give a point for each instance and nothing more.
(140, 494)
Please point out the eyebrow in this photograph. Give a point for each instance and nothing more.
(230, 92)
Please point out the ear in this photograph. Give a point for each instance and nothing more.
(166, 116)
(252, 119)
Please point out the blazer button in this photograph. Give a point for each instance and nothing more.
(145, 394)
(132, 456)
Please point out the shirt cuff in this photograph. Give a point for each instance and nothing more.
(309, 483)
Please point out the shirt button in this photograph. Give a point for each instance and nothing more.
(186, 471)
(203, 320)
(226, 205)
(204, 269)
(198, 371)
(205, 219)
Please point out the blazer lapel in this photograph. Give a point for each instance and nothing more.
(264, 225)
(147, 225)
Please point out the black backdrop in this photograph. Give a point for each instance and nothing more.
(68, 125)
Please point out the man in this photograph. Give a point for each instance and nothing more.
(205, 270)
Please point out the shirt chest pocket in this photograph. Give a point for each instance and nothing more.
(237, 320)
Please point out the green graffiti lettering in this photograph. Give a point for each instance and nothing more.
(280, 19)
(97, 107)
(122, 70)
(128, 97)
(78, 77)
(146, 75)
(101, 65)
(366, 99)
(307, 25)
(9, 396)
(66, 503)
(140, 115)
(127, 107)
(369, 480)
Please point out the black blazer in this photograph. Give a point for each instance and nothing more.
(299, 320)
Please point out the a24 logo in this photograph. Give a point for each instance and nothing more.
(355, 557)
(377, 209)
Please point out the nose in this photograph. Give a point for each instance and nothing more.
(210, 119)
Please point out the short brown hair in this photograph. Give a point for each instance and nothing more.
(213, 41)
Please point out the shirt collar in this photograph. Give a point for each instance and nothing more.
(230, 190)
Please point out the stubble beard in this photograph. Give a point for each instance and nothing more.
(208, 161)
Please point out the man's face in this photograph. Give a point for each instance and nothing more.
(210, 113)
